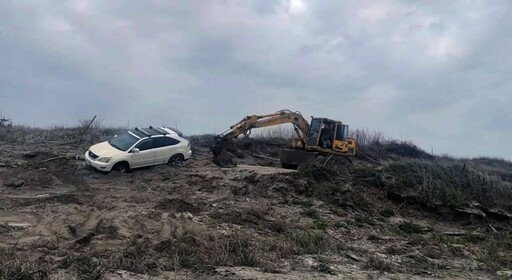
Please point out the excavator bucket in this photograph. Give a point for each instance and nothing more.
(221, 156)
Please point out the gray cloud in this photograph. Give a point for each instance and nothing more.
(432, 72)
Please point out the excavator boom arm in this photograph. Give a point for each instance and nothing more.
(259, 121)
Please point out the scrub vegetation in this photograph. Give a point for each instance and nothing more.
(394, 211)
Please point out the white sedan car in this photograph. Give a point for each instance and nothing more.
(138, 148)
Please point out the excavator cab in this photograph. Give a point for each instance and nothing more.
(329, 136)
(342, 142)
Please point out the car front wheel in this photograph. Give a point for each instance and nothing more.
(122, 167)
(176, 160)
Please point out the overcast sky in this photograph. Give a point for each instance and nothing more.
(434, 72)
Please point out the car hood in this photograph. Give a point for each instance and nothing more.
(105, 150)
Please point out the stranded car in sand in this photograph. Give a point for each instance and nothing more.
(139, 148)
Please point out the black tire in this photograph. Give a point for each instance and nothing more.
(122, 167)
(176, 160)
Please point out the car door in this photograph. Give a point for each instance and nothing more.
(165, 147)
(146, 154)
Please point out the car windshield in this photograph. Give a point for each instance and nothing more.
(123, 141)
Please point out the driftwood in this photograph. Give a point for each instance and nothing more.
(454, 233)
(355, 257)
(371, 159)
(59, 157)
(265, 157)
(464, 233)
(493, 229)
(87, 127)
(329, 158)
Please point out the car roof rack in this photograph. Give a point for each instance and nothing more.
(156, 129)
(143, 131)
(175, 131)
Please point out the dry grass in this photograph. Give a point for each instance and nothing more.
(193, 245)
(257, 237)
(496, 252)
(366, 137)
(434, 183)
(452, 183)
(88, 267)
(4, 121)
(13, 266)
(97, 131)
(400, 167)
(492, 250)
(25, 134)
(190, 246)
(495, 166)
(204, 140)
(95, 125)
(314, 241)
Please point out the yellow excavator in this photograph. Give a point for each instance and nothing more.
(323, 136)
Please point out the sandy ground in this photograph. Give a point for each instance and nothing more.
(57, 209)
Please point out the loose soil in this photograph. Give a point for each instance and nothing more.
(200, 221)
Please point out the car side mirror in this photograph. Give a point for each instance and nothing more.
(135, 150)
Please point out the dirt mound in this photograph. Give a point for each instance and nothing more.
(224, 159)
(311, 223)
(39, 177)
(38, 156)
(5, 229)
(178, 205)
(248, 151)
(106, 227)
(224, 153)
(13, 183)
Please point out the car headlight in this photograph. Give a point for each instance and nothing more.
(104, 159)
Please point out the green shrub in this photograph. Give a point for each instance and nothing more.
(313, 241)
(318, 173)
(320, 224)
(410, 228)
(15, 266)
(311, 213)
(364, 219)
(450, 183)
(387, 212)
(324, 268)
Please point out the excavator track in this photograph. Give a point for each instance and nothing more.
(293, 158)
